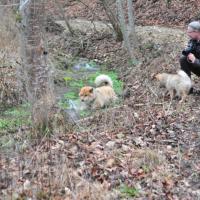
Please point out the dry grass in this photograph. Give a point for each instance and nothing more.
(9, 41)
(9, 55)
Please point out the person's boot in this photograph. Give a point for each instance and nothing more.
(191, 91)
(195, 92)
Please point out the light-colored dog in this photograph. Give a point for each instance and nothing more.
(176, 84)
(100, 96)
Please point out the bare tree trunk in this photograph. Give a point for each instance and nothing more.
(38, 85)
(132, 33)
(113, 20)
(124, 28)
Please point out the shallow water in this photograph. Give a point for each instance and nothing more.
(75, 78)
(84, 67)
(82, 73)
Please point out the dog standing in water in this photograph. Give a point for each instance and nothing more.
(100, 96)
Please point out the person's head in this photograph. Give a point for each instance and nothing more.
(193, 30)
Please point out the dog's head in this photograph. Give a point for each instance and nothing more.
(161, 77)
(156, 76)
(86, 94)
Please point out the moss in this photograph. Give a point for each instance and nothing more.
(84, 113)
(77, 84)
(68, 79)
(71, 95)
(13, 118)
(129, 191)
(18, 17)
(63, 104)
(42, 195)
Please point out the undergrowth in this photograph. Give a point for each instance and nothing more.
(14, 118)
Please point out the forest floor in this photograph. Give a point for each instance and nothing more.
(144, 148)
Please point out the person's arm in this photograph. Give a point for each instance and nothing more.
(188, 48)
(197, 62)
(191, 57)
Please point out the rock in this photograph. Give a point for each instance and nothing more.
(125, 147)
(74, 149)
(68, 191)
(169, 147)
(136, 115)
(27, 185)
(15, 196)
(53, 27)
(126, 93)
(139, 141)
(110, 144)
(120, 135)
(110, 162)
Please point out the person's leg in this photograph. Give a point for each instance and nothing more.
(195, 69)
(188, 67)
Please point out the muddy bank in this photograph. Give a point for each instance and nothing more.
(158, 34)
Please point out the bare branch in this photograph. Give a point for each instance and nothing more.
(64, 17)
(113, 20)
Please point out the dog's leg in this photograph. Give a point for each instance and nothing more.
(166, 93)
(177, 95)
(171, 93)
(183, 97)
(115, 98)
(96, 105)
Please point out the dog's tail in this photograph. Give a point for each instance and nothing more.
(183, 74)
(103, 80)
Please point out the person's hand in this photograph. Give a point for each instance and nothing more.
(191, 57)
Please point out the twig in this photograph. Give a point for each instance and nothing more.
(152, 91)
(10, 5)
(143, 104)
(94, 13)
(64, 17)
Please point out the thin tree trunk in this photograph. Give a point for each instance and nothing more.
(132, 33)
(113, 20)
(124, 28)
(64, 17)
(38, 86)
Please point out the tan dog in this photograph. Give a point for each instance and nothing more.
(176, 84)
(100, 96)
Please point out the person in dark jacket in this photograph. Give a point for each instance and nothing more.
(190, 59)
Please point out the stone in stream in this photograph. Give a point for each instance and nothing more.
(84, 66)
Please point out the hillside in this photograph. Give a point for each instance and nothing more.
(143, 147)
(153, 12)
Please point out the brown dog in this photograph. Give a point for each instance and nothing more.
(100, 96)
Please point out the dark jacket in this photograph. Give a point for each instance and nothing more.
(195, 45)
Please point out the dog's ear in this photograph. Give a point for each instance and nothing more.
(153, 76)
(91, 90)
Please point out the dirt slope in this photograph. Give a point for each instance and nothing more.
(152, 12)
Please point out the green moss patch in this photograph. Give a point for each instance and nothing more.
(129, 191)
(13, 118)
